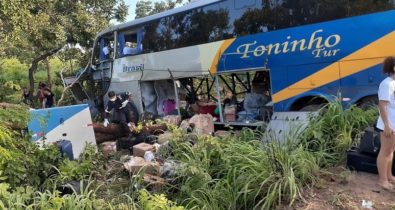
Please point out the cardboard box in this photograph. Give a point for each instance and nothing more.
(230, 113)
(222, 134)
(155, 182)
(137, 164)
(203, 124)
(140, 149)
(172, 119)
(230, 117)
(165, 137)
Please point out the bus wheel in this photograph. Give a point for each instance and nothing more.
(311, 108)
(369, 103)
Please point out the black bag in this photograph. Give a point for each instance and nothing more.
(362, 162)
(66, 149)
(370, 142)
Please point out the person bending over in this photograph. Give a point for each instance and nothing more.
(118, 103)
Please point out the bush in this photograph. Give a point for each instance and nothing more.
(336, 129)
(232, 174)
(235, 172)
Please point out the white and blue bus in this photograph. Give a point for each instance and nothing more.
(306, 52)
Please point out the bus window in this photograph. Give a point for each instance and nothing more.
(130, 43)
(104, 48)
(244, 4)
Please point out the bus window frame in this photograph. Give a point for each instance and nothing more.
(138, 31)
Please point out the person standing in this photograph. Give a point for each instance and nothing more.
(26, 96)
(49, 98)
(40, 94)
(385, 125)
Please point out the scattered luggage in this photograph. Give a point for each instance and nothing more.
(66, 149)
(169, 106)
(138, 164)
(230, 113)
(203, 124)
(125, 143)
(155, 182)
(140, 149)
(173, 119)
(370, 142)
(361, 162)
(364, 157)
(108, 148)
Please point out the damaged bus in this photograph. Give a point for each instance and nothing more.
(293, 55)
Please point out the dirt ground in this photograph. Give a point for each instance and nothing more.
(342, 189)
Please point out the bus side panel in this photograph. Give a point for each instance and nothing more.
(353, 88)
(299, 72)
(308, 58)
(361, 84)
(327, 92)
(130, 86)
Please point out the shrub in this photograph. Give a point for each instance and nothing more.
(332, 133)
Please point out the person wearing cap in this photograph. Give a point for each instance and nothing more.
(119, 103)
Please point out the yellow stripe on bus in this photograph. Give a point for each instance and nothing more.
(385, 46)
(224, 46)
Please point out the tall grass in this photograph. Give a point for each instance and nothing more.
(336, 129)
(237, 173)
(242, 173)
(234, 172)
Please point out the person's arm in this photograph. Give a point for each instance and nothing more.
(108, 109)
(384, 116)
(44, 102)
(107, 112)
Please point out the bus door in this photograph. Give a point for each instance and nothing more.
(102, 62)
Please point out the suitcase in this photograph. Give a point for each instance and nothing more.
(370, 142)
(362, 162)
(125, 143)
(66, 149)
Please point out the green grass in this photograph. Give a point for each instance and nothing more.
(236, 172)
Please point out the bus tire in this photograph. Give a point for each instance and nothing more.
(369, 102)
(311, 108)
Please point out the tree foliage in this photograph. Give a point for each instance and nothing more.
(38, 29)
(146, 7)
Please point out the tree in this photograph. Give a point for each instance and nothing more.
(143, 8)
(146, 8)
(39, 29)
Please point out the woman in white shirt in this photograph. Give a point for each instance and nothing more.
(386, 125)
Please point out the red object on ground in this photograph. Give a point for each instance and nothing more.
(207, 109)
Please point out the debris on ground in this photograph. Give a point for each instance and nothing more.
(114, 131)
(139, 150)
(142, 147)
(202, 124)
(138, 164)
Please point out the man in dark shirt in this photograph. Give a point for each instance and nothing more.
(49, 98)
(119, 103)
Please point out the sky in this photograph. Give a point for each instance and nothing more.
(132, 8)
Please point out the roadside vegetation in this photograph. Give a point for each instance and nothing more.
(236, 172)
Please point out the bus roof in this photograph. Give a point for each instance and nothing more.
(189, 6)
